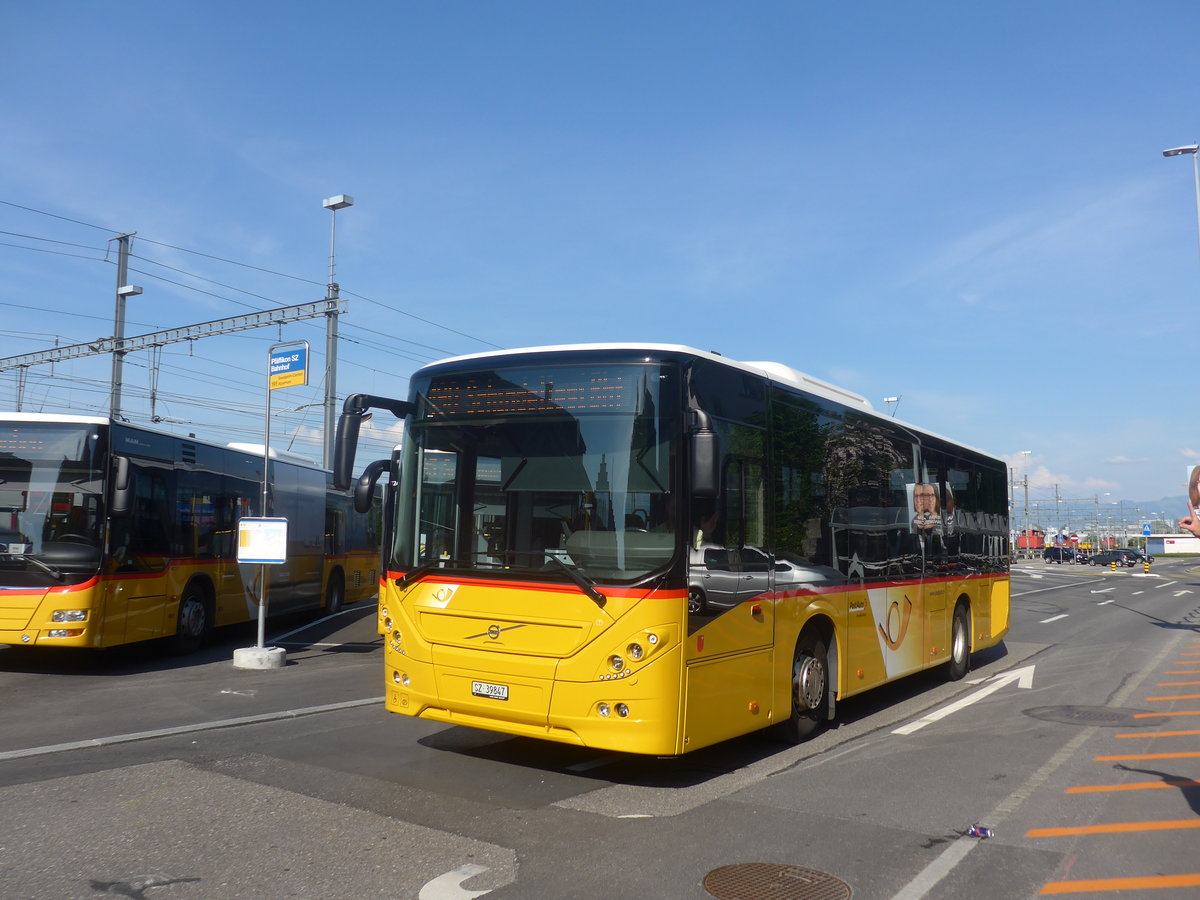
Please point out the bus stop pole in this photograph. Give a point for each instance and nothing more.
(262, 592)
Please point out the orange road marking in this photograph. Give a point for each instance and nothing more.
(1176, 683)
(1121, 884)
(1156, 734)
(1174, 697)
(1133, 786)
(1183, 672)
(1113, 828)
(1177, 712)
(1190, 754)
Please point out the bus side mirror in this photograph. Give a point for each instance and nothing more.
(364, 488)
(706, 458)
(344, 447)
(122, 487)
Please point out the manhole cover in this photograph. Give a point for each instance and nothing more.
(771, 881)
(1101, 716)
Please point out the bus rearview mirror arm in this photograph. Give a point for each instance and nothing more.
(354, 413)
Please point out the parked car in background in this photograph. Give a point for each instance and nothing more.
(1082, 557)
(1058, 554)
(1128, 558)
(1138, 555)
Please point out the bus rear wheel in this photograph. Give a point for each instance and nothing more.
(810, 689)
(335, 593)
(960, 644)
(192, 623)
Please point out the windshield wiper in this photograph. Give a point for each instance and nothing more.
(584, 583)
(45, 567)
(417, 574)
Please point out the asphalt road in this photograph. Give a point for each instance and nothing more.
(134, 774)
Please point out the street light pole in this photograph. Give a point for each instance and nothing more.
(1192, 150)
(333, 204)
(123, 290)
(1025, 471)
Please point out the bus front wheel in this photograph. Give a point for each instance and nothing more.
(810, 689)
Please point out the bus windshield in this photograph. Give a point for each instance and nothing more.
(539, 467)
(51, 500)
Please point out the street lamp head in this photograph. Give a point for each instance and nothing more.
(341, 201)
(1182, 151)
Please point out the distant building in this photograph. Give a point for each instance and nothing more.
(1161, 544)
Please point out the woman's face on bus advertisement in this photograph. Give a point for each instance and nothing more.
(925, 506)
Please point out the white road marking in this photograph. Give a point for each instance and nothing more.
(1053, 619)
(449, 886)
(1022, 677)
(1104, 591)
(185, 729)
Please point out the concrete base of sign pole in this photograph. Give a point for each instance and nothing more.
(260, 658)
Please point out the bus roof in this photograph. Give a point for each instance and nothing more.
(52, 417)
(772, 371)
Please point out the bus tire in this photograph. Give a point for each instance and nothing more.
(335, 592)
(193, 621)
(960, 644)
(810, 689)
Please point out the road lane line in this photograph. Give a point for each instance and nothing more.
(1053, 619)
(1176, 683)
(186, 729)
(1177, 712)
(1147, 882)
(1183, 754)
(1156, 734)
(1113, 828)
(1133, 786)
(1173, 697)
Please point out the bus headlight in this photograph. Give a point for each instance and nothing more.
(69, 615)
(616, 662)
(603, 710)
(401, 678)
(622, 710)
(635, 652)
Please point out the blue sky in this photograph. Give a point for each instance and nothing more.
(962, 205)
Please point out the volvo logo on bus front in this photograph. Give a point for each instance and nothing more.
(494, 632)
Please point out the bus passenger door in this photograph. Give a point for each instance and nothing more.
(139, 550)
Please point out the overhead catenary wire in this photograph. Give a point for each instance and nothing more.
(66, 388)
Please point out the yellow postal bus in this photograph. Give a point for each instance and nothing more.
(111, 533)
(651, 548)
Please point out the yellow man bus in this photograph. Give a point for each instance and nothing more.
(111, 533)
(651, 548)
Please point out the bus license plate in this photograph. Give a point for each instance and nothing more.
(487, 689)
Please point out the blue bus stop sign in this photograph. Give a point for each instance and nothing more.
(1146, 529)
